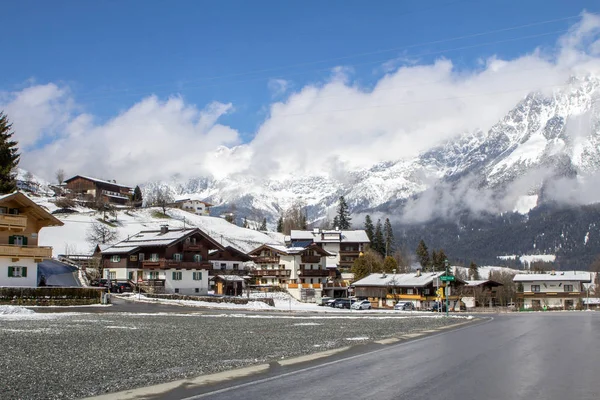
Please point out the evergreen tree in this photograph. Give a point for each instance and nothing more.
(442, 260)
(435, 261)
(473, 271)
(390, 265)
(369, 227)
(336, 222)
(388, 234)
(360, 268)
(137, 196)
(423, 255)
(263, 226)
(378, 243)
(343, 214)
(280, 225)
(9, 156)
(303, 223)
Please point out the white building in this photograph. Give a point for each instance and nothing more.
(194, 206)
(303, 271)
(554, 290)
(345, 245)
(21, 220)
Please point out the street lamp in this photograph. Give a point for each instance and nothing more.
(447, 286)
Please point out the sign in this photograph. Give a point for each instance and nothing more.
(447, 278)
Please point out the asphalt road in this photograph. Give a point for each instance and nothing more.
(513, 356)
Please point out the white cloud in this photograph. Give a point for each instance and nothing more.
(332, 123)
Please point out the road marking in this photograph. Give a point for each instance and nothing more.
(279, 376)
(311, 357)
(388, 341)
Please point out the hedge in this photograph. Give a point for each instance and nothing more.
(50, 296)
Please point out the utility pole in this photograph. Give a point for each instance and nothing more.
(447, 286)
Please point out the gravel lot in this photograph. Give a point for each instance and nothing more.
(74, 355)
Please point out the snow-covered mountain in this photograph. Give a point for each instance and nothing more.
(547, 138)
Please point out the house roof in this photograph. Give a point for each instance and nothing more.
(327, 236)
(400, 280)
(229, 278)
(155, 238)
(294, 250)
(97, 181)
(580, 276)
(482, 282)
(32, 208)
(181, 199)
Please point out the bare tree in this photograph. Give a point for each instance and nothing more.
(101, 233)
(295, 217)
(402, 257)
(161, 197)
(60, 176)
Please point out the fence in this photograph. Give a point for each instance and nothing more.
(50, 296)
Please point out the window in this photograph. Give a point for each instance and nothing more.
(197, 276)
(112, 274)
(426, 291)
(193, 240)
(236, 266)
(141, 256)
(115, 258)
(154, 257)
(14, 211)
(133, 257)
(17, 240)
(223, 266)
(535, 288)
(568, 288)
(197, 290)
(177, 275)
(176, 290)
(3, 210)
(409, 291)
(130, 275)
(197, 257)
(263, 281)
(17, 272)
(177, 257)
(153, 275)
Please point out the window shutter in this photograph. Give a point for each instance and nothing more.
(173, 276)
(11, 240)
(24, 272)
(11, 271)
(200, 273)
(24, 240)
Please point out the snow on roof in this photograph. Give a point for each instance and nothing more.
(119, 250)
(402, 280)
(149, 239)
(580, 276)
(230, 278)
(320, 236)
(191, 197)
(99, 181)
(480, 282)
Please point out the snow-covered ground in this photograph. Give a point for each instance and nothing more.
(71, 238)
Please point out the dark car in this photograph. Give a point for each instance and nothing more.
(343, 303)
(122, 286)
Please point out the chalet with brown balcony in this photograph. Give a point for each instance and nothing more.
(559, 290)
(170, 261)
(345, 245)
(301, 270)
(21, 220)
(97, 190)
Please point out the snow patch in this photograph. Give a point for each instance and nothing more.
(525, 204)
(358, 338)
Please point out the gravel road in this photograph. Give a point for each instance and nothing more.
(74, 355)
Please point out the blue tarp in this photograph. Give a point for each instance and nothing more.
(56, 273)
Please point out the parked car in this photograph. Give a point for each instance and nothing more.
(343, 303)
(452, 305)
(404, 306)
(330, 303)
(361, 305)
(123, 286)
(437, 307)
(324, 301)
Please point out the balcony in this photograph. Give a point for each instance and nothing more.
(271, 272)
(9, 250)
(310, 259)
(266, 260)
(335, 285)
(165, 264)
(314, 272)
(13, 222)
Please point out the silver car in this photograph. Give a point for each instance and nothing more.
(361, 305)
(404, 306)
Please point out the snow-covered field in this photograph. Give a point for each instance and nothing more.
(71, 238)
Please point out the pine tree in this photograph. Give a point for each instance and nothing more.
(388, 234)
(378, 243)
(336, 222)
(360, 269)
(473, 271)
(423, 255)
(280, 225)
(263, 226)
(137, 197)
(435, 261)
(303, 223)
(343, 214)
(441, 260)
(389, 264)
(9, 156)
(369, 227)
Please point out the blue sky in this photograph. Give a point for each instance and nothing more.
(113, 53)
(271, 88)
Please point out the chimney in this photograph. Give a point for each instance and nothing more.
(164, 229)
(418, 271)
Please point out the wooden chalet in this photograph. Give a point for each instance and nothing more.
(95, 190)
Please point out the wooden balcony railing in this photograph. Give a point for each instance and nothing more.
(13, 222)
(163, 264)
(9, 250)
(192, 247)
(266, 260)
(314, 272)
(271, 272)
(310, 259)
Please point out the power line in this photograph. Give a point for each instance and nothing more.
(473, 35)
